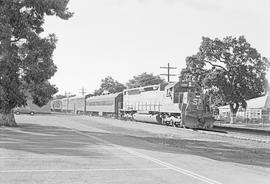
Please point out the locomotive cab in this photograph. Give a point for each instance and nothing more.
(195, 111)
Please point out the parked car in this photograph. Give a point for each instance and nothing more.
(33, 109)
(24, 110)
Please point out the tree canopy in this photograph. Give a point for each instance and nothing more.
(26, 62)
(109, 85)
(230, 69)
(144, 79)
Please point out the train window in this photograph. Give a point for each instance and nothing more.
(134, 92)
(100, 103)
(152, 88)
(148, 89)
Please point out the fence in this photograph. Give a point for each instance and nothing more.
(262, 121)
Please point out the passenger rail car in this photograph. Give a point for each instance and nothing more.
(76, 105)
(108, 105)
(70, 105)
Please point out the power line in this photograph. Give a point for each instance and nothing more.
(168, 69)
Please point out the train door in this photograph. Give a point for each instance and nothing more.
(118, 104)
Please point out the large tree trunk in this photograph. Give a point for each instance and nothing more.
(7, 119)
(234, 109)
(233, 118)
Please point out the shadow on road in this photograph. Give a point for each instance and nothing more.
(46, 140)
(215, 150)
(221, 151)
(63, 141)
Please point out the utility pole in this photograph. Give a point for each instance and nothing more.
(68, 95)
(83, 91)
(168, 69)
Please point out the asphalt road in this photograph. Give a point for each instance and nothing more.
(57, 149)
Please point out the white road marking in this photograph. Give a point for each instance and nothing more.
(71, 148)
(80, 170)
(157, 161)
(68, 157)
(172, 167)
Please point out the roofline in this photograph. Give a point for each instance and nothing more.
(141, 87)
(111, 94)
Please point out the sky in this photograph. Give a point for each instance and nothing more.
(124, 38)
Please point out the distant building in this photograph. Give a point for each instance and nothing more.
(257, 108)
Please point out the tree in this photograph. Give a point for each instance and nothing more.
(109, 85)
(144, 79)
(26, 62)
(230, 69)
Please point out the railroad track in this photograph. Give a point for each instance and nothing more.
(226, 130)
(242, 130)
